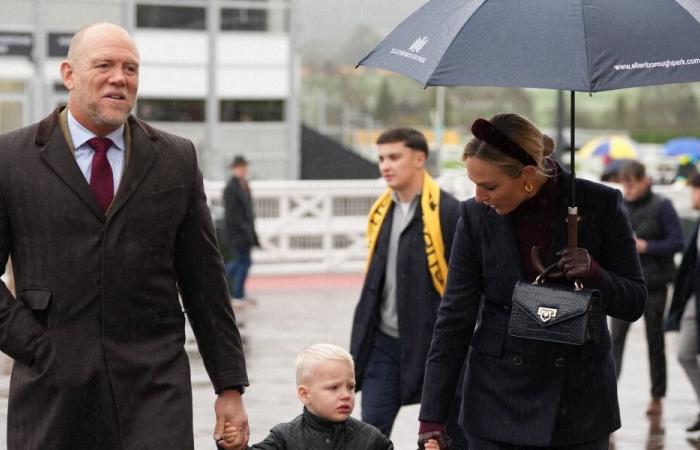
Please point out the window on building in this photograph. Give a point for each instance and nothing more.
(243, 19)
(170, 110)
(171, 17)
(251, 110)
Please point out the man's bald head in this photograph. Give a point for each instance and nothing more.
(96, 31)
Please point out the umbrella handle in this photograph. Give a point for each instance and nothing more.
(572, 221)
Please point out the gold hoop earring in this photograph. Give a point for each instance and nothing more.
(528, 187)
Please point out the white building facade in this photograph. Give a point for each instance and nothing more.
(219, 72)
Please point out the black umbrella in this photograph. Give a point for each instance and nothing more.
(576, 45)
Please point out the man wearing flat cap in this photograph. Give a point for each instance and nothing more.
(239, 230)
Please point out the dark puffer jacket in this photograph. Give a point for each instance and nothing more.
(310, 432)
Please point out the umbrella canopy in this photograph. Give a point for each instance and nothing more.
(685, 146)
(576, 45)
(611, 147)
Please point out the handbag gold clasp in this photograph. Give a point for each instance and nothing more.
(546, 314)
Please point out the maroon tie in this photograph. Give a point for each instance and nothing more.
(101, 181)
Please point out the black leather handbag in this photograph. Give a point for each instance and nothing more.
(555, 313)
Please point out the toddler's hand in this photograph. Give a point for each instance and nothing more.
(432, 445)
(231, 434)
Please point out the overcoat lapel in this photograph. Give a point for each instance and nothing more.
(141, 153)
(141, 156)
(54, 150)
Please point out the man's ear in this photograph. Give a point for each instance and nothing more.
(303, 394)
(420, 158)
(67, 74)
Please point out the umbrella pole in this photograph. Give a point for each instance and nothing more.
(573, 217)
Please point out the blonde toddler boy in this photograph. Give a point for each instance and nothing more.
(325, 376)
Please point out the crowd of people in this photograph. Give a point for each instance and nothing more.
(112, 231)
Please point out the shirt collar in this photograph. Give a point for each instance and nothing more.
(81, 135)
(395, 196)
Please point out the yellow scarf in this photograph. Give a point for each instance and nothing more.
(432, 233)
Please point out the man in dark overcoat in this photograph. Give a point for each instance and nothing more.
(107, 224)
(394, 318)
(239, 228)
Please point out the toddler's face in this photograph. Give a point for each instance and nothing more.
(329, 391)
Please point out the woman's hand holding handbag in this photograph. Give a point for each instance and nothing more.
(557, 313)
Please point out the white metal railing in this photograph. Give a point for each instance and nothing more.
(313, 226)
(319, 226)
(307, 226)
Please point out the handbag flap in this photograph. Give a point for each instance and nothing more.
(552, 305)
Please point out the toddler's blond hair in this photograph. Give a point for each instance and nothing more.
(316, 353)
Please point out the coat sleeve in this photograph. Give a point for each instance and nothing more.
(621, 281)
(672, 241)
(681, 287)
(21, 335)
(202, 285)
(274, 441)
(454, 327)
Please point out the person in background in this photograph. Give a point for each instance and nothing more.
(325, 378)
(410, 234)
(239, 230)
(524, 393)
(109, 231)
(658, 237)
(683, 313)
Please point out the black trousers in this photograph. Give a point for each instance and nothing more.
(477, 443)
(653, 320)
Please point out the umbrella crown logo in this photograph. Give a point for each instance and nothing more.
(418, 44)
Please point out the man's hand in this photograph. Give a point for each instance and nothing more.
(231, 431)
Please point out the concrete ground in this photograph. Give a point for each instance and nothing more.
(293, 312)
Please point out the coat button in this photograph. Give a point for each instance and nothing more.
(328, 441)
(518, 360)
(560, 362)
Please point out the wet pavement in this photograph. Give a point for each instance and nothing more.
(293, 312)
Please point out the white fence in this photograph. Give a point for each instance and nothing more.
(314, 226)
(319, 226)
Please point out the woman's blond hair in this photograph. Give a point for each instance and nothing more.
(519, 130)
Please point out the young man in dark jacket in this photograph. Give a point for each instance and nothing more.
(325, 376)
(659, 236)
(410, 233)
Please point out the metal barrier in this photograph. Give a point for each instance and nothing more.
(319, 226)
(314, 226)
(307, 226)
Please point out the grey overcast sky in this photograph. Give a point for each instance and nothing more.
(335, 20)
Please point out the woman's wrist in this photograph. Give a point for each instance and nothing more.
(429, 427)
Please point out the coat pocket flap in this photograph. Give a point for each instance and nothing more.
(36, 299)
(549, 306)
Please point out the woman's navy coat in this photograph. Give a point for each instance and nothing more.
(523, 391)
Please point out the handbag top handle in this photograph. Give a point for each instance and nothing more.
(578, 285)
